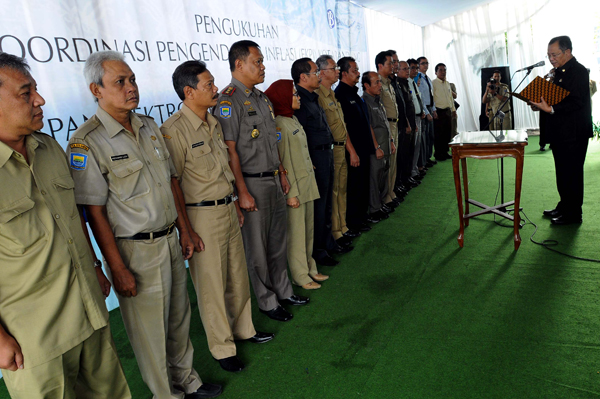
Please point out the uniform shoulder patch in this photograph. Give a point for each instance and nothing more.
(142, 116)
(225, 102)
(172, 119)
(81, 146)
(278, 132)
(78, 161)
(166, 137)
(228, 91)
(225, 111)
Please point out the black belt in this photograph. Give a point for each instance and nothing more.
(322, 147)
(151, 236)
(339, 143)
(392, 119)
(261, 174)
(227, 200)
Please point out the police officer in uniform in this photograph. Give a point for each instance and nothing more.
(495, 95)
(126, 181)
(248, 122)
(195, 141)
(55, 341)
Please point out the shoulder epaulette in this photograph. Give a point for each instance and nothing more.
(172, 119)
(144, 116)
(228, 91)
(87, 127)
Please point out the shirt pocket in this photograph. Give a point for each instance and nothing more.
(202, 155)
(250, 123)
(163, 155)
(129, 182)
(65, 193)
(20, 227)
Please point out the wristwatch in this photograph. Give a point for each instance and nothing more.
(97, 263)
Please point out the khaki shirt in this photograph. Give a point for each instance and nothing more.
(129, 174)
(199, 154)
(442, 94)
(50, 299)
(241, 112)
(333, 113)
(388, 100)
(495, 101)
(296, 160)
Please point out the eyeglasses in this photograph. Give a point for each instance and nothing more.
(554, 56)
(316, 73)
(296, 94)
(337, 68)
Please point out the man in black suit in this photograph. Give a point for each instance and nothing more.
(567, 127)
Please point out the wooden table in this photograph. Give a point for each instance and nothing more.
(483, 145)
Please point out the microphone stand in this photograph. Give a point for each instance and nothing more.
(500, 115)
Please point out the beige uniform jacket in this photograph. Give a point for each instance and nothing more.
(130, 175)
(333, 113)
(50, 299)
(198, 148)
(442, 94)
(295, 157)
(495, 101)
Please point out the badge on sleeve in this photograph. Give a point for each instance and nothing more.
(278, 134)
(78, 161)
(225, 111)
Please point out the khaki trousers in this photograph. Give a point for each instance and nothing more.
(90, 370)
(157, 320)
(220, 276)
(393, 166)
(300, 238)
(340, 184)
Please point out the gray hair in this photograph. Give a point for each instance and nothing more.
(94, 71)
(13, 62)
(322, 61)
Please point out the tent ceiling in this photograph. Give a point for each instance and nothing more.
(421, 12)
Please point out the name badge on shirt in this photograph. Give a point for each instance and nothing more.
(295, 131)
(198, 144)
(251, 113)
(352, 102)
(119, 157)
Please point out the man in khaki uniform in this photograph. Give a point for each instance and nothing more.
(125, 179)
(383, 62)
(55, 341)
(495, 95)
(444, 103)
(195, 142)
(329, 74)
(248, 122)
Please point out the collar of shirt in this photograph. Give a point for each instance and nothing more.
(325, 91)
(243, 87)
(369, 97)
(386, 81)
(566, 66)
(196, 121)
(113, 127)
(314, 97)
(347, 88)
(31, 143)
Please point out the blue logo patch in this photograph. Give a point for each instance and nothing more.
(278, 135)
(330, 19)
(78, 161)
(225, 111)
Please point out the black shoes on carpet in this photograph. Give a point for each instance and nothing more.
(205, 391)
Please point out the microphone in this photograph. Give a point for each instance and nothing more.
(529, 68)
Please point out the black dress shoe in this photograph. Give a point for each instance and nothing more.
(398, 200)
(430, 163)
(205, 391)
(261, 337)
(362, 228)
(387, 209)
(344, 241)
(340, 250)
(393, 203)
(279, 314)
(543, 147)
(377, 217)
(552, 213)
(418, 177)
(351, 233)
(232, 364)
(563, 220)
(413, 181)
(295, 300)
(409, 184)
(327, 261)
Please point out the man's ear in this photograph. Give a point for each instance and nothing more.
(95, 89)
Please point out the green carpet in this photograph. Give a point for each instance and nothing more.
(408, 314)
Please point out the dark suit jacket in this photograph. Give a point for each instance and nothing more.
(572, 119)
(356, 116)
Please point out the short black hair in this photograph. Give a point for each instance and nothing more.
(411, 61)
(392, 52)
(441, 64)
(300, 66)
(421, 58)
(186, 74)
(240, 51)
(496, 71)
(344, 64)
(564, 43)
(366, 79)
(13, 62)
(381, 58)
